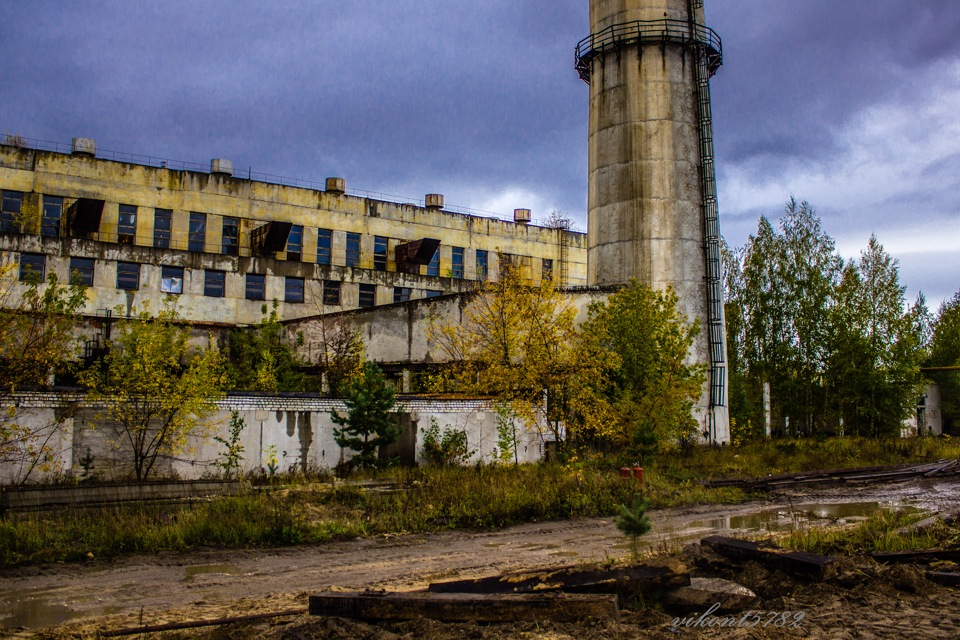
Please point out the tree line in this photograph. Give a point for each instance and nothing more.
(836, 341)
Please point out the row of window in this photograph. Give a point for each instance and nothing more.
(12, 203)
(33, 267)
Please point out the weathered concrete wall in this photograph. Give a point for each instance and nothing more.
(928, 419)
(296, 430)
(37, 173)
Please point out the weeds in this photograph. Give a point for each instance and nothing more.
(876, 534)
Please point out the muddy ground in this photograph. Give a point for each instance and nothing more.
(864, 602)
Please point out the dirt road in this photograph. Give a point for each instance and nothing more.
(211, 583)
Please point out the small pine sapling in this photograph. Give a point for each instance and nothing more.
(633, 521)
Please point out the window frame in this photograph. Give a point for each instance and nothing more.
(172, 273)
(297, 290)
(546, 269)
(214, 283)
(457, 256)
(294, 246)
(482, 264)
(162, 232)
(9, 218)
(255, 286)
(324, 246)
(366, 295)
(401, 294)
(381, 245)
(230, 242)
(433, 267)
(332, 293)
(197, 232)
(127, 230)
(85, 273)
(352, 254)
(125, 272)
(26, 271)
(50, 224)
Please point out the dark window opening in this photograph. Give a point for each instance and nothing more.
(214, 284)
(230, 237)
(32, 267)
(81, 271)
(198, 232)
(368, 295)
(256, 286)
(127, 224)
(331, 292)
(295, 242)
(401, 294)
(171, 279)
(433, 269)
(546, 271)
(433, 293)
(293, 289)
(353, 249)
(128, 276)
(162, 219)
(324, 244)
(380, 253)
(10, 205)
(457, 262)
(52, 213)
(481, 264)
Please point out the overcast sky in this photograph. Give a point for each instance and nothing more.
(850, 104)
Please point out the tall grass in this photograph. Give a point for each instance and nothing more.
(880, 532)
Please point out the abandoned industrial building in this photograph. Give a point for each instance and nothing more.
(134, 233)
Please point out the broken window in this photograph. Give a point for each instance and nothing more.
(456, 259)
(52, 213)
(481, 264)
(353, 249)
(295, 242)
(198, 232)
(368, 295)
(401, 294)
(324, 244)
(433, 269)
(256, 286)
(171, 279)
(128, 276)
(32, 267)
(162, 219)
(10, 205)
(331, 292)
(293, 289)
(127, 224)
(214, 283)
(546, 270)
(81, 271)
(380, 253)
(433, 293)
(230, 237)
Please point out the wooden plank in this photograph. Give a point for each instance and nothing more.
(463, 607)
(919, 557)
(797, 562)
(947, 516)
(947, 578)
(193, 624)
(666, 574)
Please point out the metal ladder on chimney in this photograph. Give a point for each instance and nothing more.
(711, 223)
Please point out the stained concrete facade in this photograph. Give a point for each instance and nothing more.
(343, 243)
(293, 432)
(646, 196)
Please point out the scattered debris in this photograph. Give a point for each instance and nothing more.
(703, 593)
(853, 475)
(466, 607)
(797, 562)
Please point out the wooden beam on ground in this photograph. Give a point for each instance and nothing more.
(193, 624)
(946, 516)
(796, 562)
(464, 607)
(668, 573)
(917, 557)
(947, 578)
